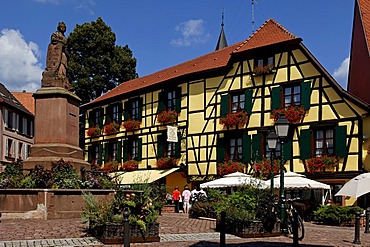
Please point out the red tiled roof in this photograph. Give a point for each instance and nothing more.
(364, 6)
(269, 33)
(26, 100)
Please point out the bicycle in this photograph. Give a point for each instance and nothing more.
(290, 211)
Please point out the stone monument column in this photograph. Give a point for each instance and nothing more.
(56, 112)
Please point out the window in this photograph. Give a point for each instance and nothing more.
(235, 147)
(237, 101)
(277, 153)
(96, 118)
(133, 109)
(170, 100)
(292, 96)
(10, 119)
(112, 151)
(261, 151)
(26, 152)
(95, 154)
(114, 113)
(132, 149)
(324, 142)
(168, 149)
(264, 61)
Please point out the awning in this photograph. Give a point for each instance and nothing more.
(141, 176)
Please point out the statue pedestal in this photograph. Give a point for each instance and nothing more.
(56, 129)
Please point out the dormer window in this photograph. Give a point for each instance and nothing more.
(263, 65)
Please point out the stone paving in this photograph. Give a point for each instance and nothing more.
(175, 230)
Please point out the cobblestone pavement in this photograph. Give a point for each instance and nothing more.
(175, 230)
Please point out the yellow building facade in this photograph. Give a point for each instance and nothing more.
(197, 101)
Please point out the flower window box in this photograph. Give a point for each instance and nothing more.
(294, 114)
(229, 166)
(264, 167)
(111, 128)
(166, 163)
(130, 165)
(167, 117)
(131, 125)
(266, 69)
(93, 131)
(322, 163)
(234, 119)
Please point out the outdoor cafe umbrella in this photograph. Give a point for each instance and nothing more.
(294, 180)
(231, 180)
(356, 187)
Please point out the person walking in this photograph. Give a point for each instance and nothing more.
(186, 195)
(176, 198)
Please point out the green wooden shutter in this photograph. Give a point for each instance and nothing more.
(275, 98)
(220, 150)
(257, 147)
(108, 112)
(287, 150)
(224, 105)
(341, 141)
(139, 149)
(126, 114)
(120, 113)
(246, 148)
(119, 151)
(125, 150)
(161, 101)
(160, 146)
(89, 154)
(178, 100)
(306, 94)
(178, 146)
(100, 156)
(248, 101)
(305, 144)
(89, 118)
(101, 118)
(140, 116)
(106, 152)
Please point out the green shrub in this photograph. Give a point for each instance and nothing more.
(336, 215)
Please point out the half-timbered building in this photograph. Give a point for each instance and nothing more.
(187, 112)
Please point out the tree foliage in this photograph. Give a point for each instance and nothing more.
(95, 63)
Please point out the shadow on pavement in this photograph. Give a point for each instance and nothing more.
(255, 244)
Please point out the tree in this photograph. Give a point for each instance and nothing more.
(95, 63)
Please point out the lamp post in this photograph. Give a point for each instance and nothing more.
(272, 142)
(281, 129)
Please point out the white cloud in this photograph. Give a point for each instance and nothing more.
(55, 2)
(341, 74)
(192, 32)
(19, 65)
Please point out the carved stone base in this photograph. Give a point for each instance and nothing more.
(53, 79)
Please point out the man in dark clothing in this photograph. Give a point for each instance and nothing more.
(176, 198)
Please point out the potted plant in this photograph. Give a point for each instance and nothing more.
(263, 167)
(322, 163)
(166, 163)
(106, 219)
(235, 118)
(111, 128)
(130, 165)
(131, 125)
(294, 114)
(93, 131)
(259, 70)
(167, 116)
(229, 166)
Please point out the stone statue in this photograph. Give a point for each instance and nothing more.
(55, 74)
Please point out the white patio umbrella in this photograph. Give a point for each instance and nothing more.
(233, 179)
(294, 180)
(356, 187)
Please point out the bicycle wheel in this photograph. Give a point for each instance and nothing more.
(300, 228)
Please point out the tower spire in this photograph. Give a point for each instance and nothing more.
(221, 43)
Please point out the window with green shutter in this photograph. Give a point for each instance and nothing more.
(246, 148)
(114, 113)
(306, 94)
(341, 141)
(170, 100)
(275, 98)
(305, 144)
(224, 105)
(133, 109)
(220, 150)
(96, 118)
(257, 147)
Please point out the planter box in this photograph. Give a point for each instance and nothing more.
(114, 233)
(253, 230)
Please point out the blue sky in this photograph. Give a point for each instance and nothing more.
(164, 33)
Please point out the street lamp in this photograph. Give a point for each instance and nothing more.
(271, 143)
(282, 129)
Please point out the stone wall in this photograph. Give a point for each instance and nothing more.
(45, 203)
